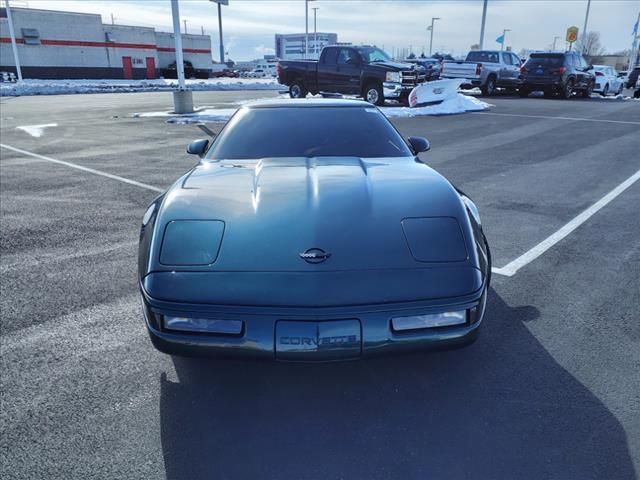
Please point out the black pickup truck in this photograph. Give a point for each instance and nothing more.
(353, 70)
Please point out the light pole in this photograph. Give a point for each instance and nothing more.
(584, 28)
(182, 98)
(220, 3)
(14, 46)
(484, 18)
(504, 38)
(554, 43)
(315, 31)
(433, 21)
(306, 27)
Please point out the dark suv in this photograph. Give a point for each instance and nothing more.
(557, 73)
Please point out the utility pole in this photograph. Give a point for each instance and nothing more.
(504, 38)
(185, 26)
(315, 31)
(202, 30)
(182, 98)
(220, 32)
(433, 21)
(113, 19)
(306, 28)
(554, 42)
(584, 29)
(484, 18)
(14, 45)
(633, 55)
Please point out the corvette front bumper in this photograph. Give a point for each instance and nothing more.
(312, 334)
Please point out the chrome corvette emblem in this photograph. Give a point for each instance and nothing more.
(314, 255)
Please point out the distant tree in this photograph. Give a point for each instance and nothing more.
(475, 46)
(422, 55)
(591, 46)
(411, 56)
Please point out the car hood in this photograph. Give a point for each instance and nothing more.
(353, 208)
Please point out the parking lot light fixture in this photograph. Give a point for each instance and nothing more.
(433, 21)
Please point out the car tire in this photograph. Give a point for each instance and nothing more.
(619, 92)
(636, 94)
(567, 90)
(586, 93)
(373, 94)
(297, 90)
(489, 88)
(523, 92)
(605, 90)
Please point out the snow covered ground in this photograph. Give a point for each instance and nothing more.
(62, 87)
(457, 104)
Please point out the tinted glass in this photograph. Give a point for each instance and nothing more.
(345, 55)
(308, 132)
(331, 56)
(506, 58)
(487, 57)
(545, 61)
(372, 54)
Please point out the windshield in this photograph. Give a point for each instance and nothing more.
(373, 54)
(547, 61)
(308, 132)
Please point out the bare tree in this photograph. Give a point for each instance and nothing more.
(475, 46)
(592, 46)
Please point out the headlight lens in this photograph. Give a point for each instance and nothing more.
(394, 77)
(434, 320)
(191, 242)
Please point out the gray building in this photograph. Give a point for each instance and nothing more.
(292, 46)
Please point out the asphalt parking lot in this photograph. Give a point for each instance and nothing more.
(550, 389)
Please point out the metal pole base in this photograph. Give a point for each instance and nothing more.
(183, 101)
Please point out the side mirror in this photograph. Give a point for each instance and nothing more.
(198, 147)
(419, 144)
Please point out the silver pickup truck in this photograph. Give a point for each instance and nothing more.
(486, 69)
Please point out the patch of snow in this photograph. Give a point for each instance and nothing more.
(65, 87)
(36, 130)
(456, 104)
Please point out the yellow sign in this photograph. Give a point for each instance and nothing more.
(572, 34)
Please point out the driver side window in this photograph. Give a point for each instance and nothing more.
(345, 55)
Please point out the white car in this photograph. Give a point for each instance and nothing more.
(258, 73)
(607, 80)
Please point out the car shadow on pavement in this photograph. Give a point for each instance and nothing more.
(499, 409)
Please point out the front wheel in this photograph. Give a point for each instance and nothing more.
(605, 90)
(586, 93)
(373, 94)
(297, 90)
(523, 92)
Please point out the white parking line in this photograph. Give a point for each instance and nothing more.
(602, 120)
(84, 169)
(512, 267)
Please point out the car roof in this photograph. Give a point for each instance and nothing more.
(308, 103)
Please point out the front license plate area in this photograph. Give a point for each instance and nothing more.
(318, 341)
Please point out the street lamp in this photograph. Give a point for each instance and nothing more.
(220, 3)
(584, 29)
(306, 27)
(504, 38)
(315, 31)
(433, 21)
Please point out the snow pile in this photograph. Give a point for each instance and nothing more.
(456, 104)
(61, 87)
(36, 130)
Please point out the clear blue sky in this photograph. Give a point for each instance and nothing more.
(249, 25)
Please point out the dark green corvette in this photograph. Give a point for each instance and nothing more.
(310, 231)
